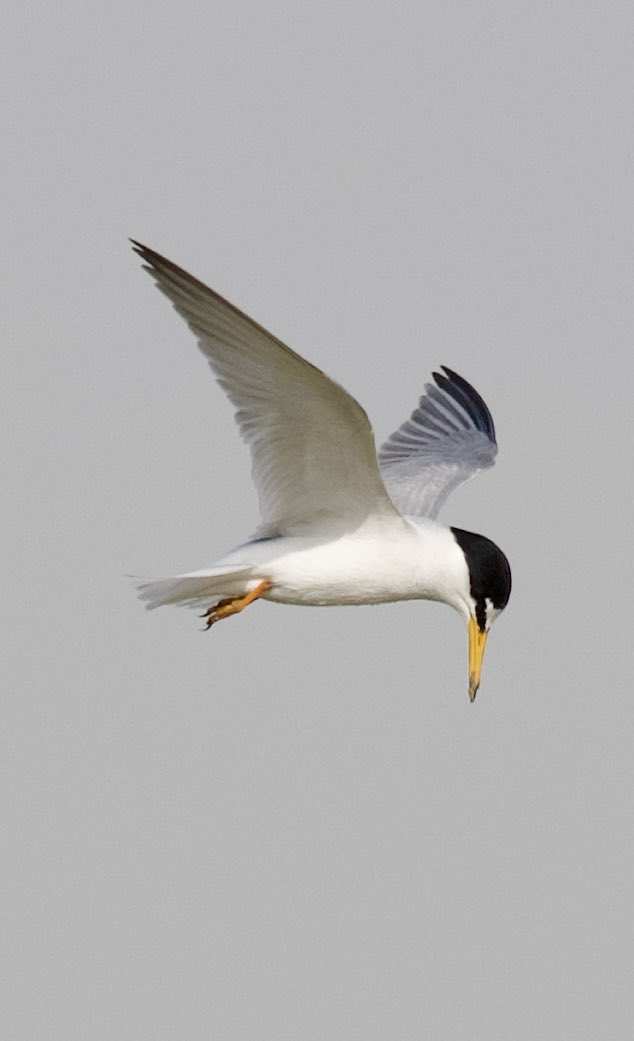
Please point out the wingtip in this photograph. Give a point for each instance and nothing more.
(446, 374)
(452, 383)
(451, 373)
(143, 251)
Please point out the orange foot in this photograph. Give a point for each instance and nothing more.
(226, 608)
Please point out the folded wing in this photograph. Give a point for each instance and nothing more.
(446, 441)
(313, 454)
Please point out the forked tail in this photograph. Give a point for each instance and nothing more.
(197, 589)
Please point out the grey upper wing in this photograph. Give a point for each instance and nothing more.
(313, 455)
(447, 440)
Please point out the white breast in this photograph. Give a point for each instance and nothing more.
(378, 562)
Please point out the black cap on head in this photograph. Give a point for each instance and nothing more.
(489, 572)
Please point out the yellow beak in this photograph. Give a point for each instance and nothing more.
(477, 643)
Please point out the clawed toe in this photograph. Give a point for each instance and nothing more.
(215, 613)
(232, 605)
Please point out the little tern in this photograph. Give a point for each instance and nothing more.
(340, 524)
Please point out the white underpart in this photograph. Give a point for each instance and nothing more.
(379, 562)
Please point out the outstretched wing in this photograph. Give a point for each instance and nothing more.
(447, 440)
(313, 454)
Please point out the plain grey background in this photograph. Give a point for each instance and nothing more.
(296, 827)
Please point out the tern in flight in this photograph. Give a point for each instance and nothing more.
(340, 524)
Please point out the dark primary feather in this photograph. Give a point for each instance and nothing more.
(468, 397)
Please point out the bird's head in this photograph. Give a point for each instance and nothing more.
(488, 594)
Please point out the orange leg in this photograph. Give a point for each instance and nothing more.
(226, 608)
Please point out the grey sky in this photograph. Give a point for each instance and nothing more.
(296, 827)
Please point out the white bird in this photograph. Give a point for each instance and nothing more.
(338, 525)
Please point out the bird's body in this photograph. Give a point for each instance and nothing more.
(371, 565)
(379, 562)
(338, 525)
